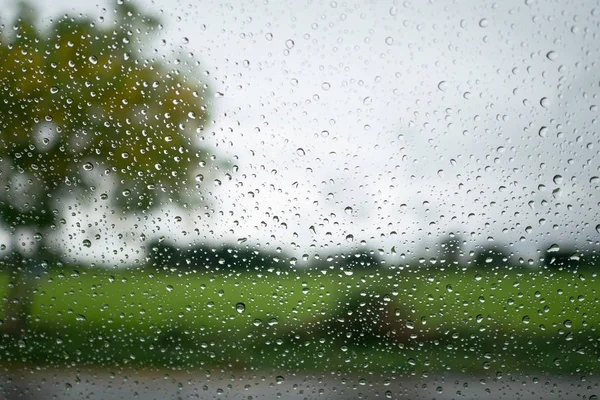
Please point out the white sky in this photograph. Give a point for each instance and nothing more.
(422, 117)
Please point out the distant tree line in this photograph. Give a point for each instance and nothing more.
(451, 251)
(163, 254)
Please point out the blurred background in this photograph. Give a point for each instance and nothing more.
(339, 199)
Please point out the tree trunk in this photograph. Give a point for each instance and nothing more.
(19, 297)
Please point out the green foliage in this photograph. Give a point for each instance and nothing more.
(83, 105)
(451, 249)
(350, 261)
(214, 258)
(492, 256)
(569, 258)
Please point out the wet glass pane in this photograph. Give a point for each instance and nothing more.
(312, 199)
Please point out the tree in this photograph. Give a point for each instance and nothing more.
(492, 256)
(350, 261)
(204, 257)
(451, 250)
(83, 108)
(567, 257)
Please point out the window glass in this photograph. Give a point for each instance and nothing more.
(312, 199)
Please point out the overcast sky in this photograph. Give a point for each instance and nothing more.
(383, 123)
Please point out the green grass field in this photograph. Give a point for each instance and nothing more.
(409, 320)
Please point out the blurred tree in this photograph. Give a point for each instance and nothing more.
(567, 257)
(357, 260)
(350, 261)
(450, 250)
(492, 256)
(203, 257)
(87, 116)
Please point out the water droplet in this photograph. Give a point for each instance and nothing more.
(279, 379)
(87, 243)
(170, 288)
(240, 307)
(289, 44)
(350, 238)
(554, 248)
(348, 210)
(557, 179)
(393, 11)
(526, 319)
(88, 166)
(185, 40)
(125, 155)
(54, 89)
(38, 236)
(568, 323)
(544, 102)
(93, 60)
(389, 40)
(598, 228)
(543, 131)
(300, 151)
(484, 22)
(442, 86)
(552, 55)
(326, 86)
(367, 101)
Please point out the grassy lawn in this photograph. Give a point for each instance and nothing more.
(438, 320)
